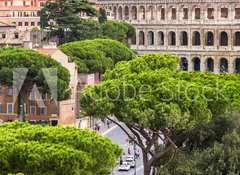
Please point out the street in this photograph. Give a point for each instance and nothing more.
(119, 137)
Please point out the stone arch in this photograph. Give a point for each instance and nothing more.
(210, 65)
(161, 13)
(196, 64)
(237, 65)
(223, 11)
(223, 65)
(151, 14)
(126, 13)
(196, 12)
(115, 12)
(172, 13)
(209, 39)
(172, 38)
(141, 38)
(196, 38)
(134, 13)
(223, 39)
(237, 39)
(184, 38)
(120, 13)
(184, 64)
(160, 38)
(150, 37)
(142, 13)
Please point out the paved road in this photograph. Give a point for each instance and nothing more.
(119, 137)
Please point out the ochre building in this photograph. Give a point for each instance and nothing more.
(205, 34)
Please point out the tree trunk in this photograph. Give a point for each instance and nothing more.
(147, 168)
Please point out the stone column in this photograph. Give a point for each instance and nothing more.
(216, 65)
(202, 64)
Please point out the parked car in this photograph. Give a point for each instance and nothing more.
(130, 162)
(124, 167)
(128, 158)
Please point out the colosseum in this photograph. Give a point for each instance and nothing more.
(204, 33)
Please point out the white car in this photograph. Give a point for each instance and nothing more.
(124, 167)
(130, 162)
(128, 157)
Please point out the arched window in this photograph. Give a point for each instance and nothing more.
(161, 12)
(223, 65)
(134, 12)
(196, 64)
(210, 65)
(151, 13)
(237, 39)
(120, 13)
(184, 64)
(223, 39)
(141, 38)
(115, 12)
(150, 38)
(160, 38)
(210, 39)
(172, 39)
(237, 65)
(126, 13)
(196, 39)
(184, 39)
(142, 12)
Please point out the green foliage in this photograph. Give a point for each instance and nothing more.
(65, 14)
(14, 57)
(97, 55)
(33, 149)
(208, 149)
(115, 30)
(102, 15)
(221, 158)
(150, 95)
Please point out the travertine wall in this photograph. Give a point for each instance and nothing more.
(205, 34)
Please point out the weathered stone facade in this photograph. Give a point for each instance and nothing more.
(204, 33)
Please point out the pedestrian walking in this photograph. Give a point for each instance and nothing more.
(138, 153)
(129, 151)
(108, 124)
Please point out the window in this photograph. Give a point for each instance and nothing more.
(32, 23)
(1, 108)
(24, 3)
(39, 23)
(26, 23)
(162, 13)
(197, 13)
(174, 13)
(3, 35)
(224, 12)
(16, 35)
(44, 96)
(43, 110)
(0, 90)
(19, 23)
(6, 3)
(32, 109)
(10, 108)
(9, 90)
(33, 95)
(210, 13)
(185, 13)
(237, 13)
(31, 3)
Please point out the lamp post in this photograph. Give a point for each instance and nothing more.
(134, 148)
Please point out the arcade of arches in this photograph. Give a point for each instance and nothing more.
(221, 65)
